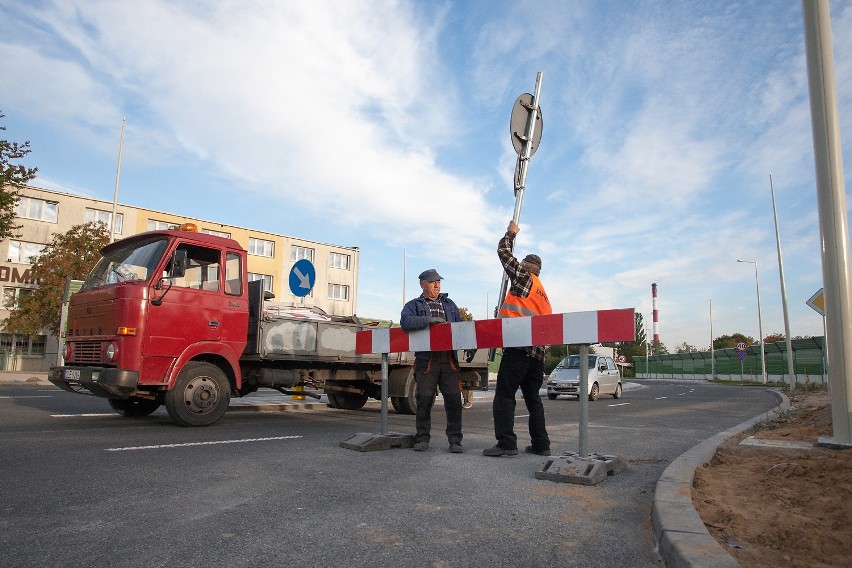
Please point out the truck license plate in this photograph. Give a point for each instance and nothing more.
(72, 374)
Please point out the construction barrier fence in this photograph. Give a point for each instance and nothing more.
(809, 362)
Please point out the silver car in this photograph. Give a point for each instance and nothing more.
(604, 377)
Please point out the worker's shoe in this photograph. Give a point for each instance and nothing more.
(531, 450)
(497, 451)
(456, 448)
(467, 404)
(421, 446)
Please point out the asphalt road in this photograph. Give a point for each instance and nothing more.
(84, 487)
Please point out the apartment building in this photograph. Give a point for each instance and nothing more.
(43, 212)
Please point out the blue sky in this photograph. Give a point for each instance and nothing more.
(384, 125)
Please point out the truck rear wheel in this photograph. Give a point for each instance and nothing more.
(406, 404)
(134, 407)
(332, 400)
(350, 401)
(200, 396)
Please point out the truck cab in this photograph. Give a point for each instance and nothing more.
(130, 333)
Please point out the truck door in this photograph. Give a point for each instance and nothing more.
(191, 310)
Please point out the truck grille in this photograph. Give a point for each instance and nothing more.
(87, 351)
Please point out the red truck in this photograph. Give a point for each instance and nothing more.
(169, 318)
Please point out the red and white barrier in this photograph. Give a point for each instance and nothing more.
(574, 328)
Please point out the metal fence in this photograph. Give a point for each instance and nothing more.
(809, 362)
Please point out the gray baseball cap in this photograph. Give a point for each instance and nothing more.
(430, 275)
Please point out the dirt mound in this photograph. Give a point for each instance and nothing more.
(783, 501)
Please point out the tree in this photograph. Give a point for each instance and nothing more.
(465, 314)
(12, 177)
(730, 341)
(774, 338)
(685, 348)
(72, 254)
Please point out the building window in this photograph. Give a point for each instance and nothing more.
(20, 251)
(216, 233)
(37, 344)
(105, 218)
(38, 209)
(337, 260)
(298, 253)
(12, 296)
(259, 247)
(154, 225)
(266, 278)
(338, 292)
(23, 344)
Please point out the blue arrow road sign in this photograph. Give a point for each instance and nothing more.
(302, 277)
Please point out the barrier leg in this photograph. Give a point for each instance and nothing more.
(365, 442)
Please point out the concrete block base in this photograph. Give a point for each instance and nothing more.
(570, 467)
(366, 442)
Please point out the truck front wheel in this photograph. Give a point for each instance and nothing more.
(200, 396)
(134, 407)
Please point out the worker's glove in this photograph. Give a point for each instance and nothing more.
(436, 320)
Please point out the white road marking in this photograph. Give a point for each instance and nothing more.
(620, 404)
(28, 396)
(661, 397)
(81, 415)
(161, 446)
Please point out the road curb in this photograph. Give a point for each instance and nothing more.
(682, 538)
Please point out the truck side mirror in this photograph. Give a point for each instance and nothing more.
(179, 263)
(177, 269)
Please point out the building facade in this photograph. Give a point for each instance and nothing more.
(41, 213)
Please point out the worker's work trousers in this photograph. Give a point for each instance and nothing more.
(430, 374)
(519, 370)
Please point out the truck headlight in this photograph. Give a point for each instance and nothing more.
(111, 351)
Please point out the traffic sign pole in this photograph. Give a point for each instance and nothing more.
(528, 144)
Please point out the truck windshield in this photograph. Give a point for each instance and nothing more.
(134, 262)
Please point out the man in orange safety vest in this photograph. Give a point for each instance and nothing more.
(520, 367)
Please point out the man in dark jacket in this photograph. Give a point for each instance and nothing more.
(434, 369)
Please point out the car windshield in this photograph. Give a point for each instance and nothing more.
(131, 263)
(573, 362)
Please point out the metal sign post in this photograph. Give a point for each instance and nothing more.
(526, 112)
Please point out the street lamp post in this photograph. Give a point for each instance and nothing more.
(759, 319)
